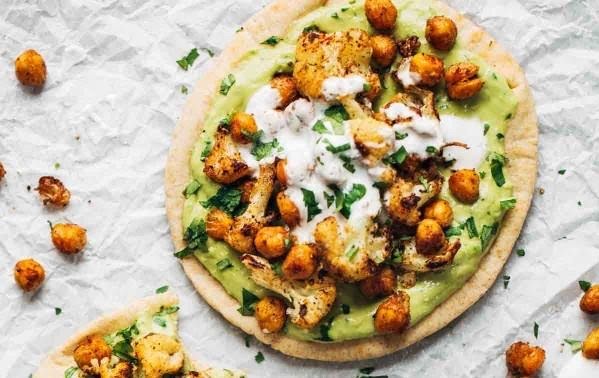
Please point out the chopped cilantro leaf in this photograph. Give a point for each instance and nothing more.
(431, 150)
(486, 128)
(561, 171)
(184, 89)
(482, 174)
(453, 231)
(506, 281)
(259, 357)
(187, 61)
(470, 226)
(195, 235)
(277, 267)
(335, 15)
(396, 158)
(223, 264)
(366, 87)
(357, 192)
(311, 204)
(337, 112)
(272, 41)
(424, 182)
(162, 289)
(192, 188)
(521, 252)
(207, 149)
(400, 135)
(57, 310)
(497, 163)
(367, 370)
(535, 330)
(507, 204)
(500, 136)
(70, 372)
(347, 164)
(320, 127)
(246, 339)
(487, 233)
(123, 350)
(226, 84)
(225, 122)
(575, 345)
(227, 199)
(264, 149)
(336, 149)
(584, 285)
(311, 28)
(248, 300)
(160, 321)
(508, 116)
(351, 252)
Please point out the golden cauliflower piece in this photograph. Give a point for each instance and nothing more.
(90, 352)
(323, 55)
(416, 262)
(29, 274)
(311, 300)
(245, 227)
(68, 238)
(374, 139)
(52, 191)
(589, 302)
(405, 199)
(522, 359)
(121, 369)
(350, 254)
(224, 163)
(159, 355)
(30, 68)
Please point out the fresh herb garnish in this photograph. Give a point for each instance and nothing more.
(470, 226)
(248, 300)
(367, 370)
(400, 135)
(227, 199)
(338, 113)
(56, 165)
(246, 340)
(311, 204)
(521, 252)
(184, 89)
(355, 194)
(431, 150)
(192, 188)
(347, 164)
(259, 357)
(320, 127)
(366, 87)
(497, 163)
(207, 149)
(262, 149)
(70, 372)
(225, 121)
(482, 174)
(272, 41)
(324, 331)
(486, 128)
(123, 350)
(584, 285)
(453, 231)
(487, 233)
(507, 204)
(187, 61)
(506, 281)
(336, 149)
(226, 84)
(160, 321)
(535, 330)
(351, 252)
(380, 185)
(167, 310)
(397, 255)
(195, 235)
(223, 264)
(500, 136)
(162, 289)
(57, 310)
(561, 171)
(575, 345)
(508, 116)
(424, 182)
(277, 267)
(335, 15)
(207, 51)
(396, 158)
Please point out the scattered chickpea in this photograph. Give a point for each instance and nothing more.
(590, 345)
(272, 242)
(429, 67)
(2, 171)
(52, 191)
(69, 238)
(384, 50)
(289, 212)
(300, 263)
(462, 81)
(29, 274)
(381, 14)
(430, 237)
(287, 88)
(522, 359)
(91, 348)
(439, 210)
(393, 315)
(465, 185)
(589, 302)
(270, 313)
(381, 284)
(242, 125)
(441, 32)
(30, 69)
(281, 173)
(218, 224)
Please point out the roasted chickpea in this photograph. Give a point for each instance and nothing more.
(590, 345)
(29, 274)
(218, 224)
(30, 69)
(522, 359)
(246, 190)
(270, 314)
(464, 185)
(384, 50)
(589, 302)
(289, 212)
(441, 32)
(381, 14)
(69, 238)
(287, 88)
(52, 191)
(272, 242)
(242, 126)
(462, 81)
(300, 263)
(91, 348)
(430, 237)
(393, 315)
(380, 285)
(429, 67)
(440, 211)
(281, 173)
(2, 172)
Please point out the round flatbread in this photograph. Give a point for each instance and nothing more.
(521, 149)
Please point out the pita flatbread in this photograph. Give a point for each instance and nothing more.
(521, 149)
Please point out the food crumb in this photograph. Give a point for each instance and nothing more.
(541, 191)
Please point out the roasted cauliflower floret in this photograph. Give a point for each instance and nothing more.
(351, 254)
(419, 100)
(322, 55)
(311, 300)
(245, 227)
(224, 164)
(285, 85)
(383, 283)
(417, 262)
(90, 352)
(29, 274)
(53, 192)
(159, 355)
(522, 359)
(374, 139)
(30, 68)
(393, 314)
(405, 199)
(121, 369)
(218, 224)
(589, 302)
(289, 212)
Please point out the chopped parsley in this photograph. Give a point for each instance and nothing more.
(338, 113)
(277, 267)
(584, 285)
(167, 310)
(225, 121)
(191, 188)
(162, 289)
(506, 281)
(227, 199)
(246, 340)
(431, 150)
(259, 357)
(262, 149)
(57, 310)
(187, 61)
(226, 84)
(453, 231)
(335, 198)
(486, 128)
(575, 345)
(195, 235)
(272, 41)
(320, 127)
(400, 135)
(335, 15)
(56, 165)
(351, 252)
(487, 233)
(380, 185)
(207, 149)
(311, 204)
(497, 163)
(336, 149)
(324, 331)
(248, 300)
(500, 136)
(482, 174)
(160, 321)
(347, 164)
(507, 204)
(311, 28)
(521, 252)
(396, 158)
(397, 255)
(470, 226)
(535, 330)
(123, 350)
(184, 89)
(367, 370)
(424, 182)
(561, 171)
(357, 192)
(223, 264)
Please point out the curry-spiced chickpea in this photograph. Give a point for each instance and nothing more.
(289, 212)
(381, 14)
(242, 126)
(589, 302)
(381, 284)
(430, 237)
(393, 315)
(464, 185)
(439, 210)
(68, 238)
(384, 50)
(462, 81)
(53, 192)
(30, 68)
(287, 88)
(2, 171)
(300, 263)
(29, 274)
(270, 313)
(429, 67)
(218, 224)
(441, 32)
(281, 172)
(590, 345)
(523, 359)
(272, 242)
(91, 348)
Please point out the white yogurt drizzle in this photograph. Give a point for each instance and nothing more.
(406, 77)
(335, 87)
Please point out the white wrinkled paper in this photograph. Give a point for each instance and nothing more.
(106, 115)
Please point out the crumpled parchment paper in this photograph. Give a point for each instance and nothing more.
(106, 114)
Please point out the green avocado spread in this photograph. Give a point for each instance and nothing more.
(352, 314)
